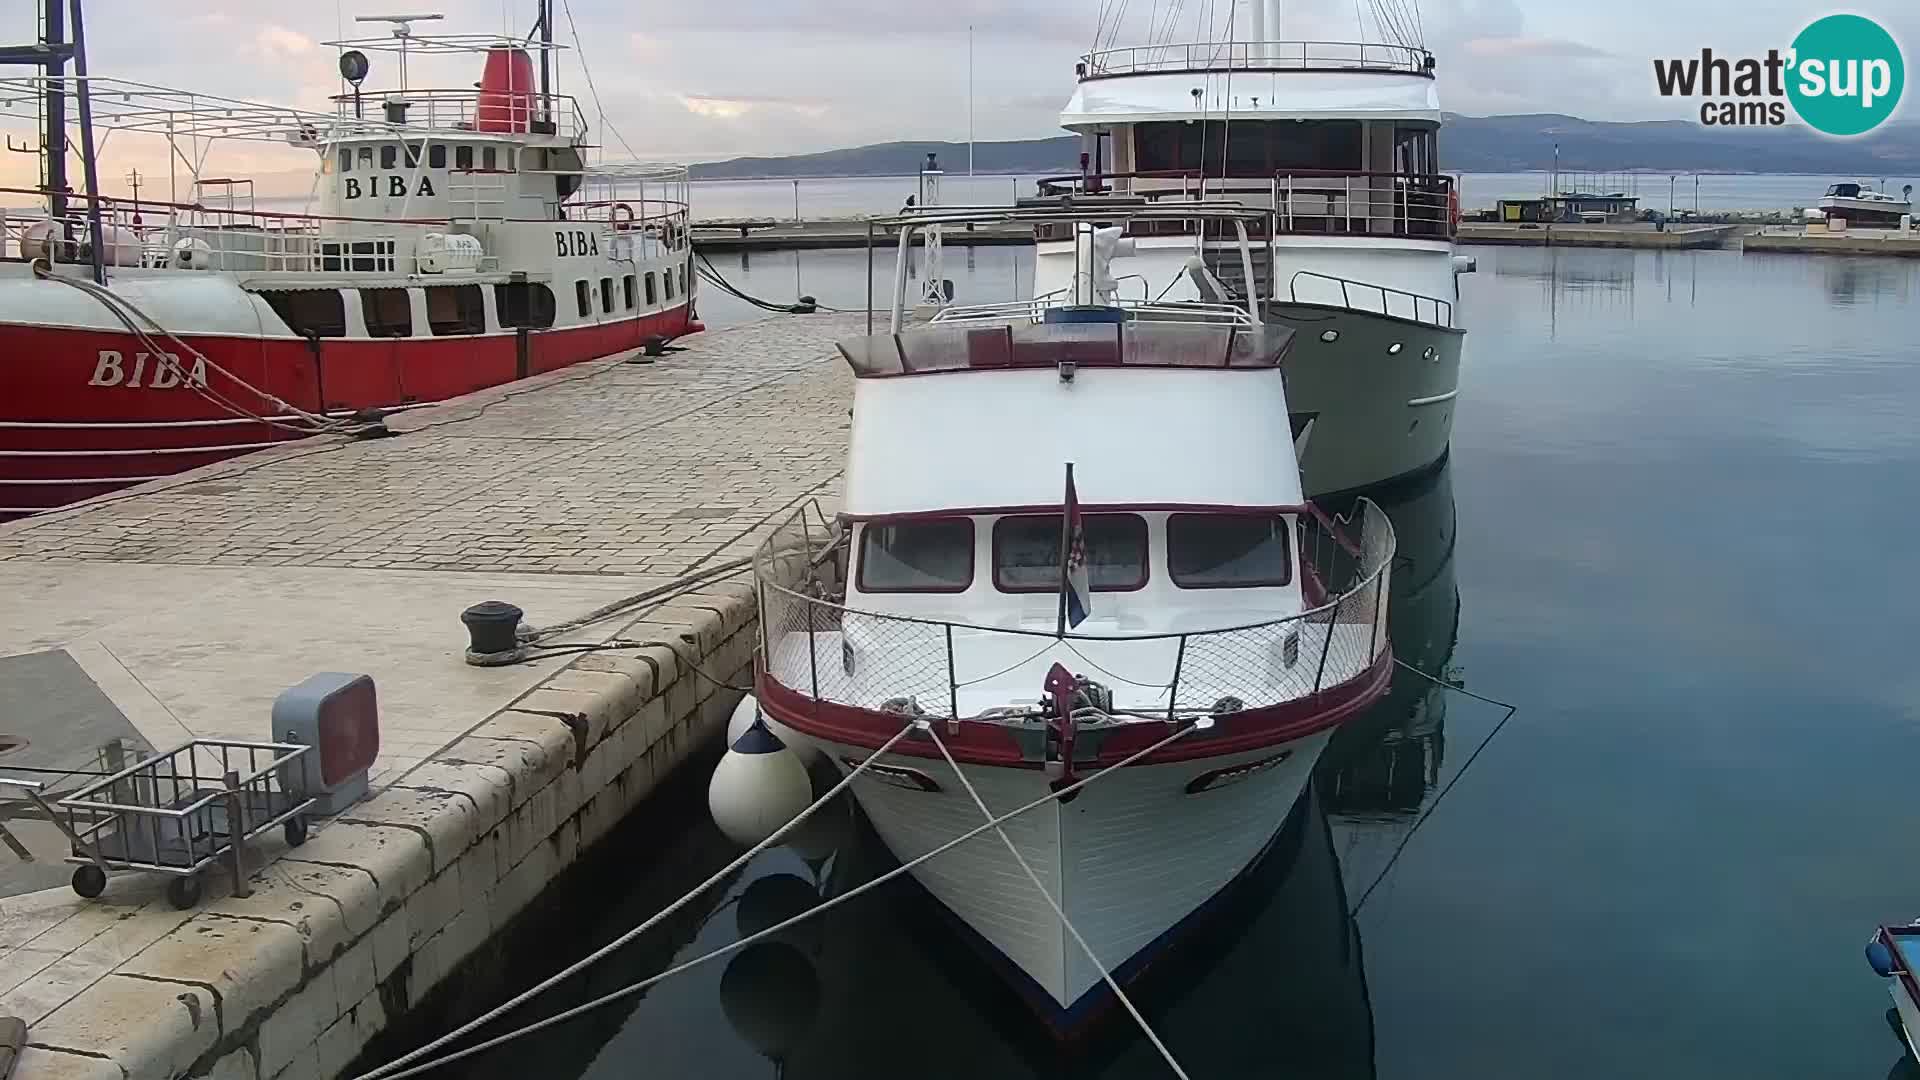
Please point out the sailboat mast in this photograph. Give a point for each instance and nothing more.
(546, 57)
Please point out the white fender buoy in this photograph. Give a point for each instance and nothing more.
(770, 994)
(743, 717)
(758, 786)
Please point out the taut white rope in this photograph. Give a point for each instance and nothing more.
(1145, 1028)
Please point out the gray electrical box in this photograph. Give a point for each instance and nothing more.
(338, 715)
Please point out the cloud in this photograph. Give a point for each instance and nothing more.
(1528, 46)
(280, 43)
(735, 106)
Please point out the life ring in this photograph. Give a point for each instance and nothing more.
(621, 223)
(1453, 206)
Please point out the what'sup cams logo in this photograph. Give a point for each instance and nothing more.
(1842, 75)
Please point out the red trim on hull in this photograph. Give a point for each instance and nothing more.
(63, 438)
(979, 743)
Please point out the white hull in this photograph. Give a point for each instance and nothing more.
(1127, 859)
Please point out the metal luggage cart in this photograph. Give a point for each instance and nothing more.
(180, 811)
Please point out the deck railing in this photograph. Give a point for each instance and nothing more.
(1256, 56)
(460, 110)
(1411, 205)
(819, 648)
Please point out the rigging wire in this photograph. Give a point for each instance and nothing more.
(1471, 758)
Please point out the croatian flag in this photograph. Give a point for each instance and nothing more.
(1077, 600)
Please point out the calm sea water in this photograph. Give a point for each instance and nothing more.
(856, 195)
(1676, 529)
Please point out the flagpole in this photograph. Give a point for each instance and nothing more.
(1066, 538)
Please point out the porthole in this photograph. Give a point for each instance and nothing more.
(1394, 349)
(1329, 336)
(1430, 353)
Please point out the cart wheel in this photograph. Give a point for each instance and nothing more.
(184, 892)
(296, 828)
(89, 881)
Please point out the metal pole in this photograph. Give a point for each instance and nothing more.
(546, 53)
(236, 828)
(54, 141)
(1066, 537)
(953, 682)
(796, 202)
(969, 100)
(86, 149)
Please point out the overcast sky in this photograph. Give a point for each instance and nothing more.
(700, 81)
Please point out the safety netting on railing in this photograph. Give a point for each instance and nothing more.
(818, 647)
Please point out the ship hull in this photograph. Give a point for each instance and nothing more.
(1130, 859)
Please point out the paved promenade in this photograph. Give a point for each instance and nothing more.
(186, 606)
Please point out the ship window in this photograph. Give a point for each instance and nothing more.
(388, 154)
(606, 295)
(682, 271)
(921, 555)
(346, 159)
(463, 157)
(583, 298)
(666, 277)
(626, 289)
(652, 296)
(389, 312)
(413, 154)
(456, 309)
(437, 156)
(488, 159)
(366, 157)
(310, 312)
(523, 303)
(1026, 552)
(1227, 551)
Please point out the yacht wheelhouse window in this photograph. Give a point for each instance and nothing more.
(389, 312)
(1026, 552)
(1248, 147)
(413, 154)
(524, 303)
(918, 555)
(1228, 551)
(436, 156)
(626, 290)
(1415, 151)
(366, 157)
(389, 154)
(309, 312)
(1844, 191)
(463, 157)
(652, 296)
(583, 298)
(606, 295)
(488, 160)
(346, 159)
(456, 309)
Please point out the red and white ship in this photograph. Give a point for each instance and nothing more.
(459, 239)
(1223, 627)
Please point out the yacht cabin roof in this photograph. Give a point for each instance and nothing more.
(993, 440)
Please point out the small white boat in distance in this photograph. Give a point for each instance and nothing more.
(1859, 205)
(1209, 628)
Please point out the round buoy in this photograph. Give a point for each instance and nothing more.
(748, 710)
(771, 900)
(758, 786)
(770, 994)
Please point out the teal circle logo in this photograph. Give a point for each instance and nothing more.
(1846, 74)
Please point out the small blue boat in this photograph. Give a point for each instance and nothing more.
(1894, 953)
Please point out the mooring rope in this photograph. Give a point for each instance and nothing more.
(1471, 758)
(388, 1070)
(579, 965)
(1059, 913)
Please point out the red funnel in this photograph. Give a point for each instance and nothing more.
(506, 91)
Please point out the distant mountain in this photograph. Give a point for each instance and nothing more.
(1467, 144)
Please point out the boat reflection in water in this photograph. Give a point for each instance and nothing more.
(1272, 982)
